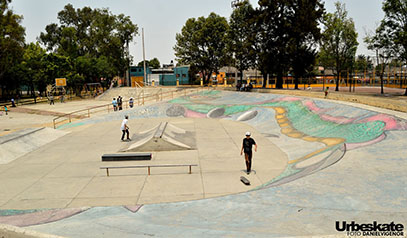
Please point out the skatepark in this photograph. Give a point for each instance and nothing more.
(318, 161)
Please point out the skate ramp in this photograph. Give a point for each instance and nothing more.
(163, 137)
(17, 144)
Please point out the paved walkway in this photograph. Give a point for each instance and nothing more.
(50, 178)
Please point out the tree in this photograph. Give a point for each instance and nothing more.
(339, 41)
(32, 68)
(12, 38)
(395, 21)
(305, 34)
(202, 43)
(363, 63)
(240, 37)
(273, 38)
(91, 34)
(385, 48)
(154, 63)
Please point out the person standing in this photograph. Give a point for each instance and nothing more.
(114, 103)
(51, 100)
(131, 102)
(6, 109)
(120, 102)
(326, 92)
(248, 142)
(13, 103)
(125, 127)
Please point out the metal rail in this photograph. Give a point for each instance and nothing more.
(159, 96)
(148, 167)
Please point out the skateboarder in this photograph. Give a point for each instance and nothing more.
(248, 142)
(125, 127)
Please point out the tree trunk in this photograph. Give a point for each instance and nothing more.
(208, 78)
(264, 80)
(296, 80)
(381, 84)
(279, 83)
(337, 82)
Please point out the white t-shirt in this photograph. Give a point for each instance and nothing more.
(124, 123)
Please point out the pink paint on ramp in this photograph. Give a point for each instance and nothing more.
(338, 120)
(133, 209)
(391, 123)
(288, 99)
(358, 145)
(326, 117)
(40, 217)
(193, 114)
(311, 106)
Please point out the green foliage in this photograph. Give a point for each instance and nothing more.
(154, 63)
(363, 63)
(32, 67)
(202, 43)
(11, 47)
(339, 41)
(395, 23)
(287, 36)
(85, 35)
(273, 38)
(383, 44)
(305, 34)
(241, 37)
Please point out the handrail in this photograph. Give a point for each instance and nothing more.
(140, 101)
(148, 167)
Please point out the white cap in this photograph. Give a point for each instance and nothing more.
(248, 133)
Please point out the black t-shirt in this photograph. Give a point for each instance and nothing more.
(247, 144)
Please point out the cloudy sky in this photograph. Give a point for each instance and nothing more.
(162, 19)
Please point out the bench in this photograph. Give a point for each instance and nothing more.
(126, 157)
(148, 167)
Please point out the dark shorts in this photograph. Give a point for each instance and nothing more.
(249, 154)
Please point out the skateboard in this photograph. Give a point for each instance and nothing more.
(245, 180)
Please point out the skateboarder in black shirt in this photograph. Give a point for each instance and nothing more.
(247, 148)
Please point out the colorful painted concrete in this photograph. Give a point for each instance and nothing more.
(345, 164)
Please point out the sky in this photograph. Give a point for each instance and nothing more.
(162, 19)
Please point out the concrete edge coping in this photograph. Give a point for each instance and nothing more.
(14, 137)
(9, 231)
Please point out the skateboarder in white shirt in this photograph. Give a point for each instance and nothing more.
(125, 127)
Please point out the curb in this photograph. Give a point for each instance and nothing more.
(8, 231)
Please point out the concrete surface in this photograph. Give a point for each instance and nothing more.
(342, 162)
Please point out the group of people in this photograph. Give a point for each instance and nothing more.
(244, 87)
(13, 104)
(118, 103)
(52, 100)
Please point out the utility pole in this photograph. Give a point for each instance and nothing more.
(144, 59)
(128, 65)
